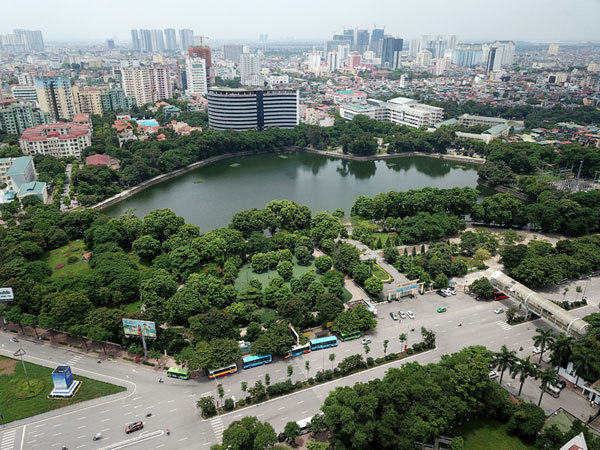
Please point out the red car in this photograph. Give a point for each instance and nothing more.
(134, 427)
(499, 295)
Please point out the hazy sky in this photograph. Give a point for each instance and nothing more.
(532, 20)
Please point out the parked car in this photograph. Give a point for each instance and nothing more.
(410, 314)
(402, 315)
(493, 374)
(537, 350)
(498, 310)
(365, 341)
(561, 384)
(135, 426)
(442, 293)
(452, 291)
(393, 315)
(441, 309)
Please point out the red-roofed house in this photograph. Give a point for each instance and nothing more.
(58, 139)
(102, 160)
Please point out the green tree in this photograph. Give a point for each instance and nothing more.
(385, 346)
(328, 307)
(482, 287)
(214, 354)
(146, 247)
(292, 431)
(248, 434)
(276, 340)
(285, 269)
(548, 377)
(562, 348)
(345, 256)
(213, 324)
(359, 318)
(331, 359)
(373, 285)
(207, 406)
(543, 339)
(303, 255)
(307, 367)
(527, 421)
(504, 359)
(161, 224)
(290, 370)
(441, 281)
(323, 263)
(523, 368)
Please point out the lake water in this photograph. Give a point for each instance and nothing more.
(210, 195)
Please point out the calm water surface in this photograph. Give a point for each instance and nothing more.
(209, 196)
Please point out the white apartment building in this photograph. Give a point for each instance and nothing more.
(400, 110)
(56, 139)
(333, 61)
(195, 72)
(22, 92)
(423, 58)
(469, 120)
(250, 70)
(87, 101)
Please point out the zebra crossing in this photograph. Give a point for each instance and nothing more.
(74, 359)
(218, 428)
(8, 440)
(504, 325)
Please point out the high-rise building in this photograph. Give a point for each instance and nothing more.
(34, 41)
(250, 70)
(392, 49)
(423, 58)
(252, 108)
(441, 65)
(354, 60)
(195, 72)
(87, 101)
(170, 39)
(494, 59)
(362, 41)
(110, 44)
(498, 55)
(343, 51)
(160, 82)
(25, 79)
(232, 52)
(146, 41)
(263, 38)
(314, 61)
(553, 49)
(186, 38)
(114, 100)
(55, 96)
(204, 53)
(17, 116)
(376, 43)
(136, 42)
(13, 43)
(158, 42)
(349, 36)
(136, 84)
(467, 55)
(333, 61)
(330, 46)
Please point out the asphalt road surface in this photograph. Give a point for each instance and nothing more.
(173, 403)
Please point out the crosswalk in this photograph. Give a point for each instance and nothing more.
(218, 428)
(504, 325)
(8, 439)
(74, 360)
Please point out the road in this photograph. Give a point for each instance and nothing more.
(173, 403)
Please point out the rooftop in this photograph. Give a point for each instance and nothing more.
(402, 100)
(19, 165)
(32, 188)
(496, 129)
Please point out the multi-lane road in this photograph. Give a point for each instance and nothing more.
(173, 403)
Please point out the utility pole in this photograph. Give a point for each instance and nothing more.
(579, 171)
(20, 353)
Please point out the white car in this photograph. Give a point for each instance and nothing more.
(402, 315)
(493, 374)
(498, 310)
(365, 341)
(410, 314)
(537, 350)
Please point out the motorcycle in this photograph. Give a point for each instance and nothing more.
(14, 339)
(168, 432)
(160, 380)
(97, 437)
(148, 414)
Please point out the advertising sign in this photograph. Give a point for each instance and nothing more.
(62, 377)
(134, 327)
(6, 294)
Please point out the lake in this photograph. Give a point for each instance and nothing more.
(210, 195)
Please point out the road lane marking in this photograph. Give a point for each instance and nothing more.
(104, 420)
(300, 402)
(79, 418)
(57, 434)
(106, 429)
(173, 410)
(105, 411)
(182, 439)
(79, 437)
(42, 425)
(136, 398)
(283, 407)
(82, 426)
(57, 425)
(171, 401)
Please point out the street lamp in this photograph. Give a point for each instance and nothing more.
(20, 353)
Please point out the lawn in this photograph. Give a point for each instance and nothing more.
(246, 273)
(380, 273)
(57, 260)
(134, 307)
(12, 377)
(488, 434)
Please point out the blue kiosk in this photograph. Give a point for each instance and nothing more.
(64, 385)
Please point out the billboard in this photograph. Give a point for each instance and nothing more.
(134, 327)
(6, 294)
(62, 377)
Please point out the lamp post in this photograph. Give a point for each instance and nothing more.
(20, 353)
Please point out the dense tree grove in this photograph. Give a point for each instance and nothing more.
(398, 410)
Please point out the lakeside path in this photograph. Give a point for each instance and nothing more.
(334, 154)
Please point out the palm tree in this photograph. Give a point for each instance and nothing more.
(562, 348)
(332, 358)
(504, 359)
(542, 339)
(582, 364)
(403, 339)
(524, 369)
(385, 346)
(548, 377)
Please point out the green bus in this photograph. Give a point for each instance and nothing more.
(350, 336)
(176, 372)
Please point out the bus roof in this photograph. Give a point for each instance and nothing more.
(323, 339)
(178, 370)
(253, 357)
(351, 332)
(304, 422)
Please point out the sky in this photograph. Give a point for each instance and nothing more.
(312, 20)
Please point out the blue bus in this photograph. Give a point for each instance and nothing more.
(324, 342)
(256, 360)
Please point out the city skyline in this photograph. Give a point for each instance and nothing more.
(315, 20)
